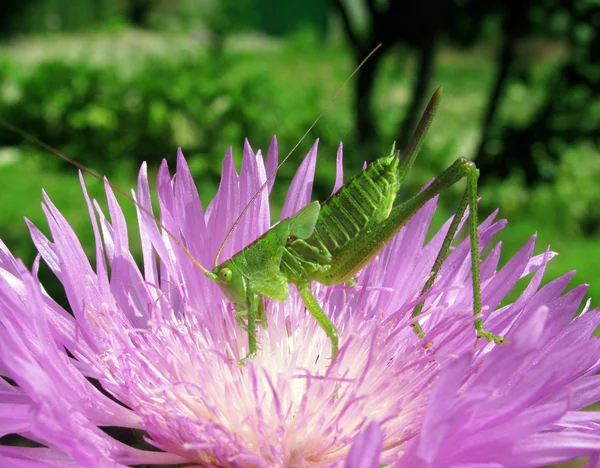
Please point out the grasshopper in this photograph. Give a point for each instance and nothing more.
(330, 242)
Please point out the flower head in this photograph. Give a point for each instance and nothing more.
(163, 345)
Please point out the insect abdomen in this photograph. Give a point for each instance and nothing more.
(364, 201)
(361, 203)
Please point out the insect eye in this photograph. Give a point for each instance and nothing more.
(226, 274)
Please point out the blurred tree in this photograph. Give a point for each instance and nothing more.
(418, 25)
(515, 24)
(569, 114)
(138, 11)
(10, 10)
(422, 25)
(279, 18)
(224, 18)
(38, 16)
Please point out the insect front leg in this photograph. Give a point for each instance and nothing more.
(251, 314)
(261, 314)
(320, 316)
(463, 169)
(240, 318)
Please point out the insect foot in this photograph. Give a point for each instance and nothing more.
(488, 336)
(242, 362)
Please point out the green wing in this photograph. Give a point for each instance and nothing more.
(303, 223)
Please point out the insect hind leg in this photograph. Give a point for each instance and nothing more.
(467, 169)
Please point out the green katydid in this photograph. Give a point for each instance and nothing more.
(330, 242)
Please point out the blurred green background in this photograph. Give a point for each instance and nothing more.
(112, 83)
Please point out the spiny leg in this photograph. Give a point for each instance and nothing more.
(472, 177)
(440, 259)
(261, 314)
(465, 169)
(320, 316)
(251, 323)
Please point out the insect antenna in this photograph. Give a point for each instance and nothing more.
(272, 175)
(36, 141)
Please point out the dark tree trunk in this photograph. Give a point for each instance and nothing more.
(507, 57)
(366, 126)
(10, 11)
(514, 27)
(420, 89)
(138, 11)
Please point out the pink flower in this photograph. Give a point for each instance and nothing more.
(163, 344)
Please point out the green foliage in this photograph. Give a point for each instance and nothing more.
(101, 116)
(36, 16)
(565, 214)
(112, 115)
(567, 114)
(569, 206)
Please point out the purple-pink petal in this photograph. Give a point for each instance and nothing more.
(301, 187)
(366, 450)
(163, 343)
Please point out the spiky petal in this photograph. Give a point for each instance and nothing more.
(163, 344)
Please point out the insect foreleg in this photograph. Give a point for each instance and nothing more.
(465, 169)
(240, 318)
(261, 314)
(252, 312)
(320, 316)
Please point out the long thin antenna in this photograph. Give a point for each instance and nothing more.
(41, 144)
(36, 141)
(272, 175)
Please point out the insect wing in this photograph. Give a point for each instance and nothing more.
(303, 223)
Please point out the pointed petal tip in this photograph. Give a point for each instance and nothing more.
(247, 148)
(494, 214)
